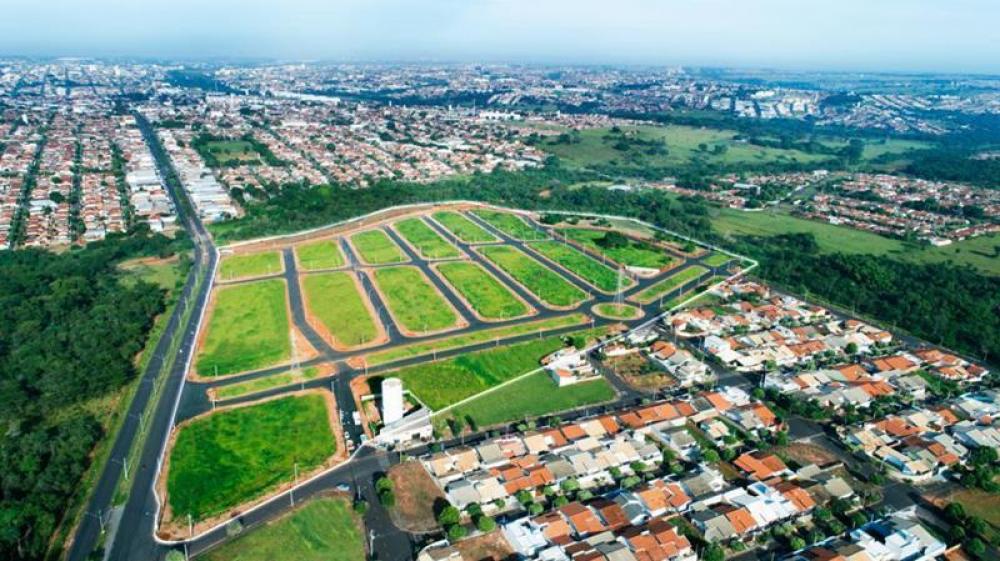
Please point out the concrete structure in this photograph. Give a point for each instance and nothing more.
(392, 400)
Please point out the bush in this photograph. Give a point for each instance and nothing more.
(486, 524)
(387, 498)
(456, 532)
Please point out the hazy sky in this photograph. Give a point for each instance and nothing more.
(947, 35)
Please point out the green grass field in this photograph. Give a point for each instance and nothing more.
(543, 282)
(376, 248)
(439, 384)
(585, 267)
(615, 311)
(519, 400)
(243, 266)
(427, 242)
(482, 291)
(463, 228)
(325, 529)
(335, 300)
(264, 383)
(227, 458)
(473, 338)
(324, 254)
(413, 300)
(635, 254)
(717, 259)
(165, 273)
(228, 150)
(510, 224)
(666, 285)
(247, 330)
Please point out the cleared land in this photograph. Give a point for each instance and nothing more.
(666, 285)
(416, 496)
(232, 151)
(463, 228)
(426, 241)
(264, 383)
(510, 224)
(248, 329)
(334, 299)
(244, 266)
(544, 283)
(634, 254)
(414, 302)
(489, 298)
(325, 529)
(439, 384)
(376, 248)
(232, 456)
(324, 254)
(473, 338)
(585, 267)
(519, 399)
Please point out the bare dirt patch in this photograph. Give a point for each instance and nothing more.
(487, 547)
(805, 453)
(416, 494)
(639, 372)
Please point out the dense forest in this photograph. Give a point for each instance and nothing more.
(70, 333)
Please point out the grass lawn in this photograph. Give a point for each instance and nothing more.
(615, 311)
(473, 338)
(242, 266)
(428, 243)
(439, 384)
(324, 529)
(232, 150)
(584, 266)
(540, 280)
(247, 330)
(666, 285)
(324, 254)
(635, 254)
(482, 290)
(520, 399)
(265, 383)
(717, 259)
(510, 224)
(463, 228)
(376, 248)
(335, 301)
(227, 458)
(414, 302)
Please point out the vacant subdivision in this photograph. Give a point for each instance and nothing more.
(510, 224)
(548, 286)
(463, 228)
(247, 329)
(427, 243)
(484, 293)
(668, 284)
(315, 256)
(630, 252)
(583, 266)
(269, 382)
(229, 457)
(374, 247)
(337, 308)
(415, 304)
(250, 265)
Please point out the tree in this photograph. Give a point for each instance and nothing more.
(796, 543)
(449, 515)
(486, 524)
(976, 547)
(456, 532)
(387, 498)
(713, 552)
(710, 455)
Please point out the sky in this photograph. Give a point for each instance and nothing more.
(864, 35)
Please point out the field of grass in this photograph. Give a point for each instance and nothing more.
(585, 267)
(335, 301)
(439, 384)
(376, 248)
(228, 150)
(543, 282)
(265, 383)
(242, 266)
(482, 291)
(977, 252)
(983, 504)
(227, 458)
(413, 300)
(325, 529)
(463, 228)
(616, 311)
(681, 146)
(717, 259)
(510, 224)
(165, 273)
(472, 338)
(666, 285)
(635, 254)
(247, 330)
(428, 243)
(519, 400)
(324, 254)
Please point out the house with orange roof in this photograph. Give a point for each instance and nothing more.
(760, 465)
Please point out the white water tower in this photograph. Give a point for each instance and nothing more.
(392, 400)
